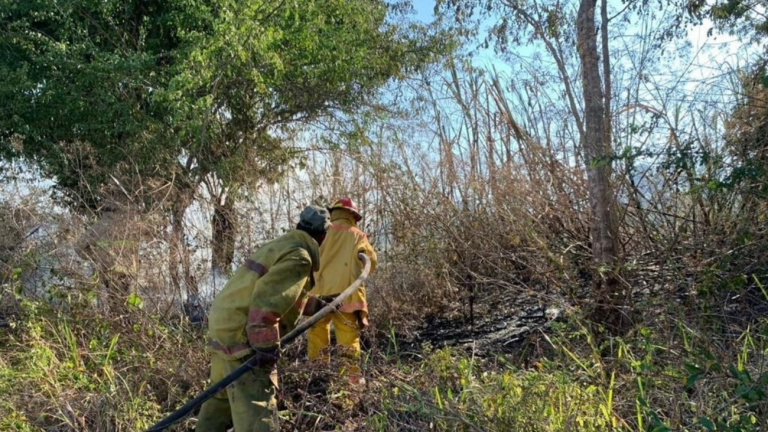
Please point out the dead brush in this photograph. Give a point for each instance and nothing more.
(315, 396)
(18, 223)
(91, 372)
(69, 365)
(526, 238)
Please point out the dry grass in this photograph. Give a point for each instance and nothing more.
(78, 370)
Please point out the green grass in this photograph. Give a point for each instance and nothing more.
(75, 371)
(80, 372)
(455, 393)
(679, 375)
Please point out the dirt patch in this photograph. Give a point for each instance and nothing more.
(499, 323)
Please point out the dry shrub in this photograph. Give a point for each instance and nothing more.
(693, 225)
(522, 234)
(17, 223)
(70, 362)
(403, 296)
(81, 370)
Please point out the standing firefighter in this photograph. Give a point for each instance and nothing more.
(339, 267)
(261, 302)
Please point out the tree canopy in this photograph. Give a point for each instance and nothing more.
(173, 91)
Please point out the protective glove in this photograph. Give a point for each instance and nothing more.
(314, 305)
(362, 320)
(264, 357)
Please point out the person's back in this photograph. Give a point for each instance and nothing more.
(339, 268)
(283, 258)
(262, 301)
(342, 266)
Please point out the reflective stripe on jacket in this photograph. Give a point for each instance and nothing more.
(265, 296)
(339, 265)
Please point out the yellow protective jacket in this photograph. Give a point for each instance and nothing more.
(265, 297)
(339, 265)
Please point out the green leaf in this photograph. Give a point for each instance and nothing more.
(135, 302)
(706, 423)
(691, 380)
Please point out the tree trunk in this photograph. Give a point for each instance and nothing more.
(224, 230)
(597, 152)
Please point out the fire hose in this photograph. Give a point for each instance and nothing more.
(248, 364)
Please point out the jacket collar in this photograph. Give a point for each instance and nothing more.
(342, 217)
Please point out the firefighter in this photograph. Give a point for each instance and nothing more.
(340, 267)
(262, 301)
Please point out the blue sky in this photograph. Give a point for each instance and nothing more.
(424, 9)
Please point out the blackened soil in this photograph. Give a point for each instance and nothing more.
(498, 323)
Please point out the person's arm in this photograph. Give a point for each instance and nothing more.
(365, 247)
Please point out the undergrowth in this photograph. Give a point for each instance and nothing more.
(68, 369)
(75, 370)
(680, 369)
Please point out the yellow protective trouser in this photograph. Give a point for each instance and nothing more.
(347, 330)
(249, 404)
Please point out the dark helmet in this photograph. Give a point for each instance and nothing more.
(315, 218)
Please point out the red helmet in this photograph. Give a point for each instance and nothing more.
(347, 204)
